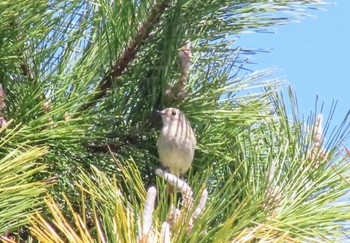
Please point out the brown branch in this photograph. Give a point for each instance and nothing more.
(104, 148)
(128, 55)
(115, 147)
(26, 71)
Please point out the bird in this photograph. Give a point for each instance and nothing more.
(176, 142)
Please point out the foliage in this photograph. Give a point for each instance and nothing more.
(82, 79)
(19, 194)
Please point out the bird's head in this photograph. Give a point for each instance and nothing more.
(171, 115)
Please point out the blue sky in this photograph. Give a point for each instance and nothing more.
(313, 56)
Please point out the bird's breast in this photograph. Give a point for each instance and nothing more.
(175, 153)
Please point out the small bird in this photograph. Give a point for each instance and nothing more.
(176, 142)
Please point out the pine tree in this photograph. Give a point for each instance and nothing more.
(81, 81)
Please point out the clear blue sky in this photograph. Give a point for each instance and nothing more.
(313, 56)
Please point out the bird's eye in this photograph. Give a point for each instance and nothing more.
(173, 113)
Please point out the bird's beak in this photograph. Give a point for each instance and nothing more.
(160, 112)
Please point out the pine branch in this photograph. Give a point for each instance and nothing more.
(128, 55)
(20, 52)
